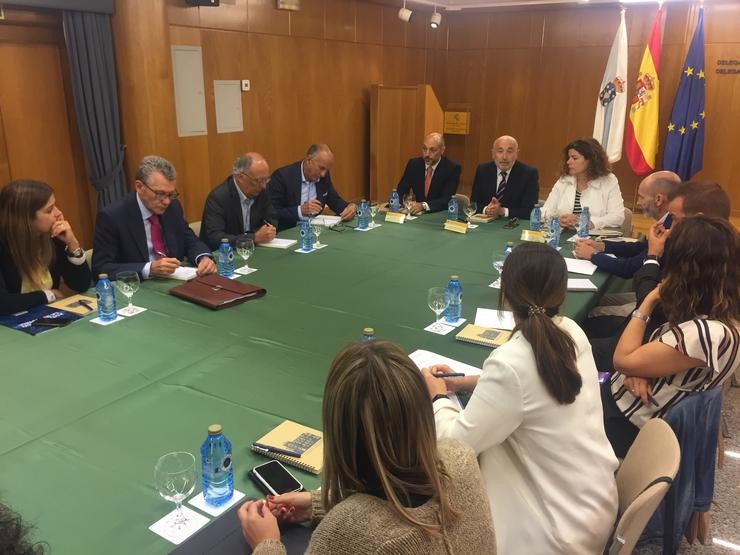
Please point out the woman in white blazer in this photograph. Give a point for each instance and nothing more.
(587, 180)
(534, 419)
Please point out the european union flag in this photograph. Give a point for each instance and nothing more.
(684, 144)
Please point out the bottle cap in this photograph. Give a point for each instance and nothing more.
(510, 243)
(224, 240)
(214, 429)
(103, 276)
(454, 277)
(368, 331)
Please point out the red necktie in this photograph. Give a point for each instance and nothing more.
(157, 237)
(428, 181)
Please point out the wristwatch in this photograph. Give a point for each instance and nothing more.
(77, 253)
(640, 316)
(652, 257)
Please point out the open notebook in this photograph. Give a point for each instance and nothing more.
(298, 438)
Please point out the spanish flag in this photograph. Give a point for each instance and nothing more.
(641, 132)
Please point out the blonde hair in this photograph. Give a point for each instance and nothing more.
(31, 252)
(379, 433)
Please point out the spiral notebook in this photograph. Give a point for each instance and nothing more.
(292, 436)
(479, 335)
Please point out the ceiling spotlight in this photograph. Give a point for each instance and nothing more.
(404, 14)
(436, 19)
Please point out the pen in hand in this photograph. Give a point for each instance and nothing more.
(652, 400)
(450, 375)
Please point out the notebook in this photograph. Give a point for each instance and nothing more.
(24, 320)
(299, 438)
(88, 305)
(481, 218)
(488, 337)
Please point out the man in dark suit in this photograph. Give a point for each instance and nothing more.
(146, 231)
(505, 187)
(240, 205)
(433, 177)
(302, 189)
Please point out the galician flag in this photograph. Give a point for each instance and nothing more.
(611, 105)
(641, 133)
(684, 144)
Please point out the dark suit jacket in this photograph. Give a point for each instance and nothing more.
(444, 182)
(222, 214)
(520, 195)
(120, 238)
(285, 193)
(630, 257)
(77, 277)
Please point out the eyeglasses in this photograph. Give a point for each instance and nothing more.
(261, 182)
(161, 195)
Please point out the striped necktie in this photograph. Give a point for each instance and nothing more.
(501, 186)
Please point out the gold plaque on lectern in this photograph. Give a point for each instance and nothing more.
(457, 123)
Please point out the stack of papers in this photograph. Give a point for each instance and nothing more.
(278, 243)
(326, 221)
(583, 284)
(580, 266)
(492, 318)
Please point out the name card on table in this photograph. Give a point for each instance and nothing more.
(533, 236)
(395, 217)
(457, 227)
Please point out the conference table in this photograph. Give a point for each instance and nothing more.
(86, 410)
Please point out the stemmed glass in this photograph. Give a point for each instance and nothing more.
(373, 212)
(174, 476)
(244, 248)
(408, 203)
(127, 282)
(438, 300)
(470, 209)
(498, 265)
(317, 228)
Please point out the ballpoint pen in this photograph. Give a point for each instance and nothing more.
(86, 304)
(450, 375)
(270, 449)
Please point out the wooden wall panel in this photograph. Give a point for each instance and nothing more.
(263, 17)
(340, 20)
(309, 20)
(368, 23)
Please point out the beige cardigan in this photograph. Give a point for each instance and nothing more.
(364, 524)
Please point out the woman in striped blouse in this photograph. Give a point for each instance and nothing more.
(698, 348)
(587, 180)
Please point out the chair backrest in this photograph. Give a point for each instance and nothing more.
(643, 479)
(195, 226)
(462, 202)
(627, 224)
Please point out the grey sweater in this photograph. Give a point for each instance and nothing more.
(364, 524)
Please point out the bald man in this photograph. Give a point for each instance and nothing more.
(505, 187)
(302, 189)
(432, 177)
(626, 258)
(240, 205)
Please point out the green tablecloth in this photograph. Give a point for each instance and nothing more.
(85, 411)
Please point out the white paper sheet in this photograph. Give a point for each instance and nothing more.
(195, 522)
(199, 502)
(185, 273)
(278, 243)
(581, 284)
(326, 221)
(492, 318)
(422, 359)
(580, 266)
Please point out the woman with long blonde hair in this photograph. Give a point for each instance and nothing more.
(387, 485)
(38, 249)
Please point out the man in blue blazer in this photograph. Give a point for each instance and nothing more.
(146, 231)
(505, 187)
(432, 177)
(240, 205)
(302, 189)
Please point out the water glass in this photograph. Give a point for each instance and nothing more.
(127, 282)
(174, 476)
(244, 248)
(438, 300)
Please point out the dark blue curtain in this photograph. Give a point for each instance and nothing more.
(90, 45)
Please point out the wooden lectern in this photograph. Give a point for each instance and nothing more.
(400, 117)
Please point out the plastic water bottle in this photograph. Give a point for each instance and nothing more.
(306, 236)
(225, 258)
(535, 217)
(508, 249)
(368, 334)
(217, 467)
(363, 216)
(553, 236)
(454, 293)
(452, 209)
(583, 221)
(394, 204)
(106, 299)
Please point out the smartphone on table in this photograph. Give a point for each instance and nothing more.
(274, 479)
(52, 322)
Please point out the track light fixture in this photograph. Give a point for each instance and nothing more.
(436, 19)
(404, 14)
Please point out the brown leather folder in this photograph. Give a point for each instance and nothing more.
(217, 292)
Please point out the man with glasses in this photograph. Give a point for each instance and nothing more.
(240, 205)
(146, 231)
(432, 177)
(302, 189)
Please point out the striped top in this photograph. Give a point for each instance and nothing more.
(708, 340)
(577, 203)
